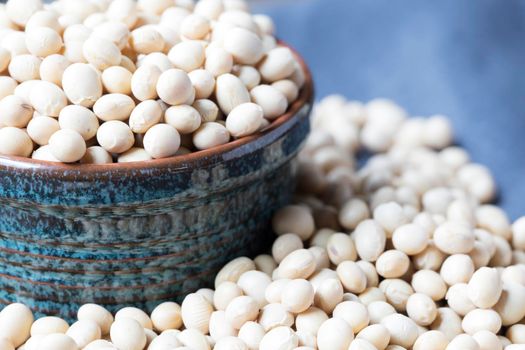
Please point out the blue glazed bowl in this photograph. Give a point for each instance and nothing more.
(141, 233)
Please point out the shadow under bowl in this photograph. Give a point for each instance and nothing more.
(145, 232)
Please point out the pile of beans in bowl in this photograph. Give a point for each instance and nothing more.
(101, 81)
(403, 252)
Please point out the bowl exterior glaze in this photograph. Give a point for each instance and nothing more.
(140, 234)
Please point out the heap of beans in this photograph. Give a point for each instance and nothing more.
(401, 253)
(98, 81)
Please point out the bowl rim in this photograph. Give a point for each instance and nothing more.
(186, 160)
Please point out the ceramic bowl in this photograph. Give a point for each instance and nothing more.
(145, 232)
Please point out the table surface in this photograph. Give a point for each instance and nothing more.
(463, 59)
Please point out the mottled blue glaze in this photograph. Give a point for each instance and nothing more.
(139, 234)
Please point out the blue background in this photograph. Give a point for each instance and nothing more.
(464, 59)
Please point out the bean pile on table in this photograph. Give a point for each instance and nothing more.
(101, 81)
(403, 252)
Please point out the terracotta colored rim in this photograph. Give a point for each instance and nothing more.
(305, 97)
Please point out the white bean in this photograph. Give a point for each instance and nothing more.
(146, 39)
(218, 62)
(298, 264)
(485, 287)
(225, 293)
(7, 86)
(422, 309)
(158, 59)
(248, 75)
(351, 276)
(272, 101)
(84, 332)
(187, 55)
(251, 333)
(448, 322)
(431, 340)
(370, 240)
(144, 116)
(392, 264)
(241, 310)
(82, 84)
(24, 67)
(430, 283)
(341, 247)
(57, 341)
(195, 27)
(278, 64)
(184, 118)
(114, 107)
(334, 334)
(15, 112)
(136, 314)
(21, 11)
(203, 82)
(47, 98)
(115, 136)
(511, 305)
(390, 216)
(174, 87)
(463, 342)
(80, 119)
(458, 300)
(67, 145)
(275, 315)
(43, 41)
(52, 68)
(487, 340)
(196, 312)
(454, 238)
(233, 270)
(161, 141)
(117, 79)
(101, 53)
(48, 325)
(207, 109)
(244, 119)
(15, 319)
(230, 92)
(481, 320)
(354, 313)
(40, 129)
(166, 315)
(377, 335)
(144, 82)
(95, 155)
(403, 331)
(253, 284)
(298, 295)
(210, 134)
(328, 294)
(410, 239)
(457, 268)
(280, 337)
(127, 333)
(116, 32)
(96, 313)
